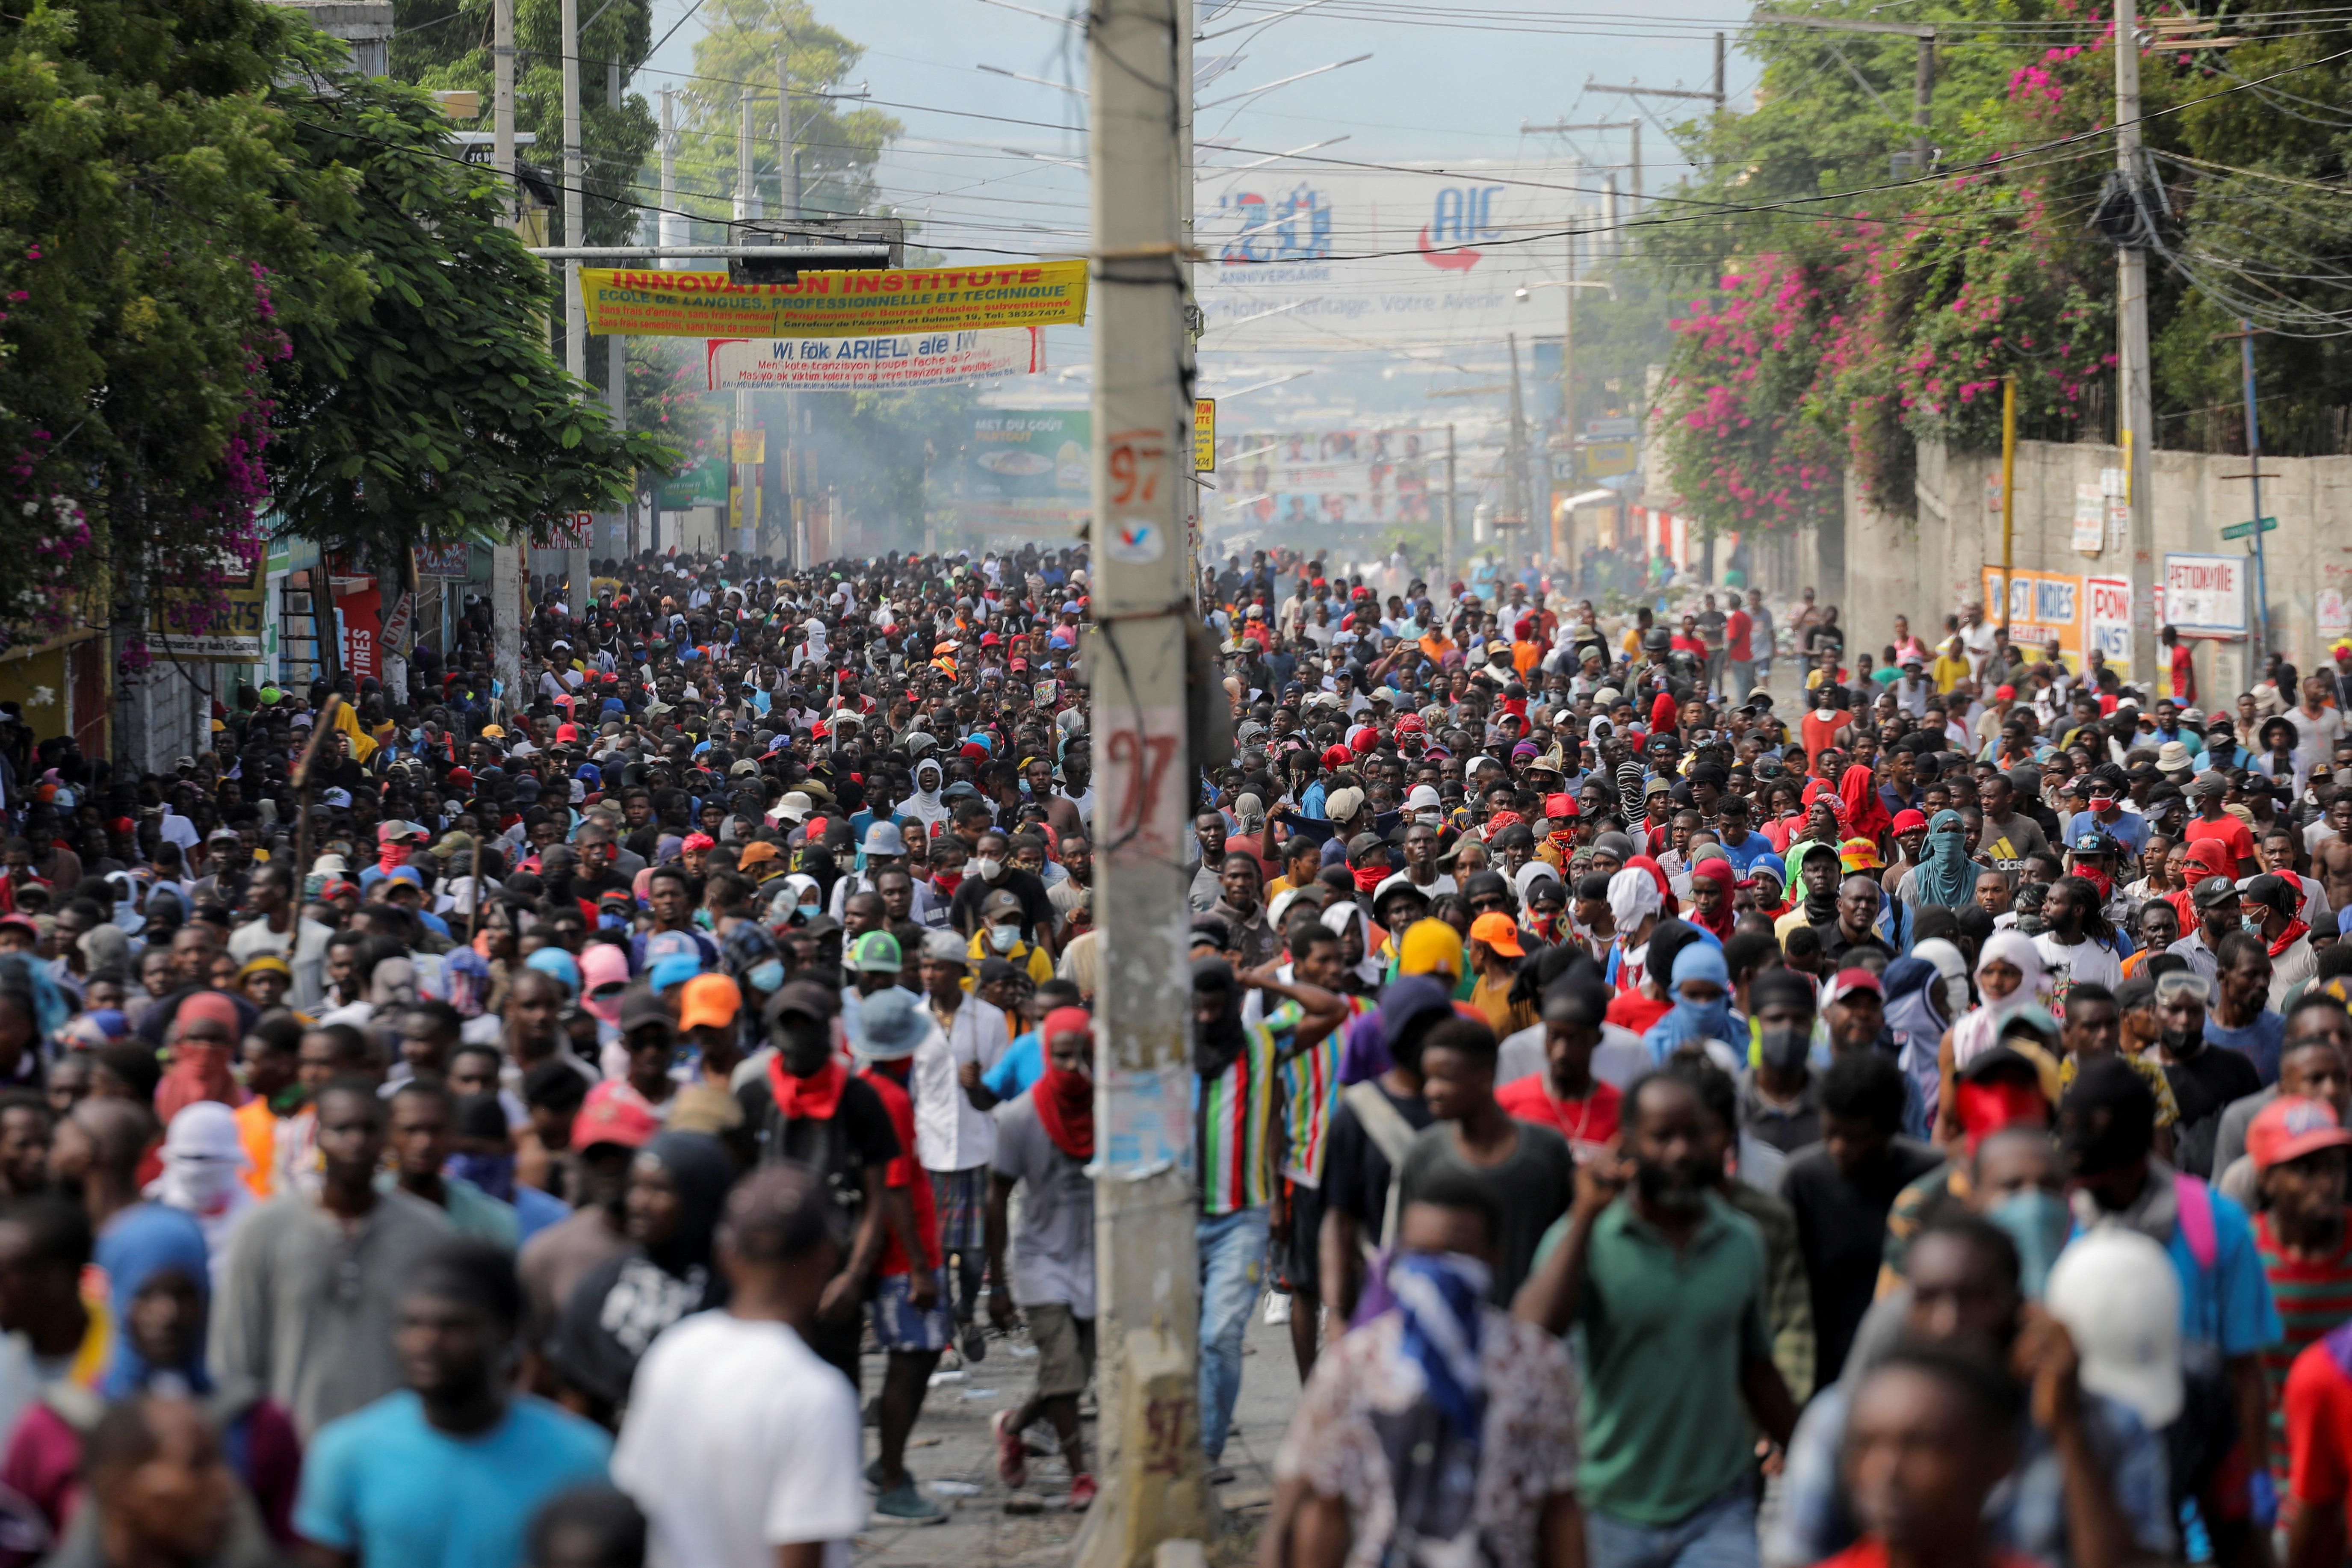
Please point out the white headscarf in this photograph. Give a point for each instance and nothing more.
(925, 805)
(1336, 919)
(1633, 893)
(1980, 1030)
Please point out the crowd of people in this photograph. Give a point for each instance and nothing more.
(1899, 1120)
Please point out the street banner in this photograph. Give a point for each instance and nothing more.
(655, 304)
(220, 622)
(1028, 471)
(1370, 478)
(2044, 607)
(833, 364)
(2110, 622)
(453, 560)
(1304, 256)
(359, 625)
(2205, 595)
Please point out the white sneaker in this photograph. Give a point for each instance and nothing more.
(1277, 1306)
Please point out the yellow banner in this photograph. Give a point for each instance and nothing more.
(656, 304)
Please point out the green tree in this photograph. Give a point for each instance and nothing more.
(435, 410)
(144, 252)
(448, 45)
(838, 145)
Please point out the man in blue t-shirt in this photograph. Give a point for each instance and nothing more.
(2240, 1019)
(1742, 847)
(448, 1472)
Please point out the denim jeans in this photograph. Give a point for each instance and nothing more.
(1720, 1534)
(1232, 1271)
(1743, 680)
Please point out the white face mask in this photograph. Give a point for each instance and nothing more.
(1004, 939)
(986, 869)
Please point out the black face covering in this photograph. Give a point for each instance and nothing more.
(1216, 1043)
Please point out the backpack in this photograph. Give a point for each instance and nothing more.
(1394, 1136)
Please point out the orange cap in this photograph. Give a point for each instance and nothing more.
(1499, 931)
(708, 999)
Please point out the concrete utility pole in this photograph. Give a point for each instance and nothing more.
(1146, 1201)
(1453, 493)
(747, 207)
(2135, 421)
(1923, 74)
(788, 196)
(506, 558)
(575, 209)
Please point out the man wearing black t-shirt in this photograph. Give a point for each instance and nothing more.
(594, 874)
(2205, 1079)
(991, 870)
(808, 1108)
(1371, 1119)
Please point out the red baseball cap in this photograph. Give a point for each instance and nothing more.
(1560, 806)
(607, 1118)
(2290, 1127)
(1848, 981)
(1908, 819)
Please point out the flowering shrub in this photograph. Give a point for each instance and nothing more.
(1844, 336)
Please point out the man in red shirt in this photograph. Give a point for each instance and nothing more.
(1824, 726)
(1565, 1096)
(2236, 840)
(910, 1320)
(1737, 627)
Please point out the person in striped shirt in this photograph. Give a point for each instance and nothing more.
(1311, 1089)
(1236, 1067)
(2298, 1147)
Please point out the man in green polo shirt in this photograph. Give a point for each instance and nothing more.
(1667, 1280)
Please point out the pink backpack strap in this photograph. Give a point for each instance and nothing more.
(2196, 1221)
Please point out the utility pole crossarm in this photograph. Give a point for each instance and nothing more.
(1637, 92)
(1839, 25)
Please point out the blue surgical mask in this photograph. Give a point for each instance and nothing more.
(2039, 1222)
(767, 975)
(2253, 922)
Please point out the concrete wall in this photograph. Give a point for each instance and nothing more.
(1925, 568)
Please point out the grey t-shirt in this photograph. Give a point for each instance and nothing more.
(1053, 1228)
(1530, 1188)
(307, 1309)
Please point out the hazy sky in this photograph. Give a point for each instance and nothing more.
(986, 160)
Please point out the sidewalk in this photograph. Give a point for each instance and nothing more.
(953, 1459)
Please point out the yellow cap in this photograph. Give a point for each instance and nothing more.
(1429, 946)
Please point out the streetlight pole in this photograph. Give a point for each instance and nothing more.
(575, 308)
(505, 556)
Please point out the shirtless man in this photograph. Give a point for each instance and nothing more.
(2331, 858)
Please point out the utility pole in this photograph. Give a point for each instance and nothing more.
(2007, 492)
(1147, 1207)
(1516, 500)
(788, 195)
(575, 232)
(2260, 621)
(2136, 423)
(1923, 73)
(1560, 542)
(1632, 126)
(1445, 567)
(507, 555)
(1719, 99)
(747, 475)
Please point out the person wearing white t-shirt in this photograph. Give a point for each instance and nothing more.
(2068, 946)
(742, 1447)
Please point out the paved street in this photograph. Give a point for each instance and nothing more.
(950, 1453)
